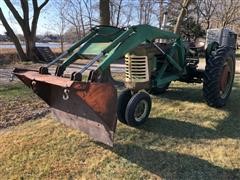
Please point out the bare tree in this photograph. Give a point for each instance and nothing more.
(28, 28)
(89, 6)
(104, 7)
(146, 11)
(128, 16)
(72, 14)
(161, 12)
(115, 11)
(62, 27)
(79, 14)
(121, 12)
(207, 8)
(183, 12)
(60, 24)
(228, 12)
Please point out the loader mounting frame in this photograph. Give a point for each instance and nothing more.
(91, 106)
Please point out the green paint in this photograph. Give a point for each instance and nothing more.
(114, 43)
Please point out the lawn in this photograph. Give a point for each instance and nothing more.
(183, 139)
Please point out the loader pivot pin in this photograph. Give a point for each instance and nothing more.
(76, 76)
(43, 70)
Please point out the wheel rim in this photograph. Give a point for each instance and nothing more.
(226, 78)
(141, 110)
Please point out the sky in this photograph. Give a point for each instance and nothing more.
(48, 15)
(48, 19)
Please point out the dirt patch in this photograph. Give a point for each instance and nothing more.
(18, 104)
(20, 110)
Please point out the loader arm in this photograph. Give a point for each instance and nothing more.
(137, 35)
(91, 106)
(120, 41)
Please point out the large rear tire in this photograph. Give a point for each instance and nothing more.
(211, 50)
(138, 109)
(122, 102)
(219, 76)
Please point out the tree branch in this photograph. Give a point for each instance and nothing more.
(25, 9)
(12, 35)
(35, 5)
(43, 4)
(14, 12)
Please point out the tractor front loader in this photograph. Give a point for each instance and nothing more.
(92, 105)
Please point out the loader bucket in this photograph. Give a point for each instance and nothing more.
(89, 107)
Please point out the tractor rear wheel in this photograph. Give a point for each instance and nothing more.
(122, 102)
(138, 109)
(159, 90)
(211, 49)
(219, 76)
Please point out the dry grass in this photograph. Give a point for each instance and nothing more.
(7, 51)
(9, 56)
(183, 139)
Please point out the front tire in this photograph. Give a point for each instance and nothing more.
(122, 102)
(138, 109)
(219, 76)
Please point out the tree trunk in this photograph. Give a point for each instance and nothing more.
(28, 30)
(105, 20)
(30, 44)
(119, 12)
(208, 24)
(13, 37)
(62, 41)
(160, 13)
(183, 12)
(104, 12)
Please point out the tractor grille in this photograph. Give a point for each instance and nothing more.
(136, 68)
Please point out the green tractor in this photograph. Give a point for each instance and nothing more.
(151, 64)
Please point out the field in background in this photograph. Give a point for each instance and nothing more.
(7, 51)
(9, 57)
(183, 139)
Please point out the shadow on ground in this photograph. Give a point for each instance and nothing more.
(228, 127)
(172, 165)
(183, 94)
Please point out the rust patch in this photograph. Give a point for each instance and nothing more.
(89, 107)
(224, 77)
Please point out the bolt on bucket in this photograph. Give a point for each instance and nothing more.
(89, 107)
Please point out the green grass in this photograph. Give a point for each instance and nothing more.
(183, 139)
(9, 91)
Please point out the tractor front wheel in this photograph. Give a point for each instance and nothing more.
(219, 76)
(122, 102)
(138, 109)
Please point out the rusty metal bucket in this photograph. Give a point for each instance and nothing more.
(89, 107)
